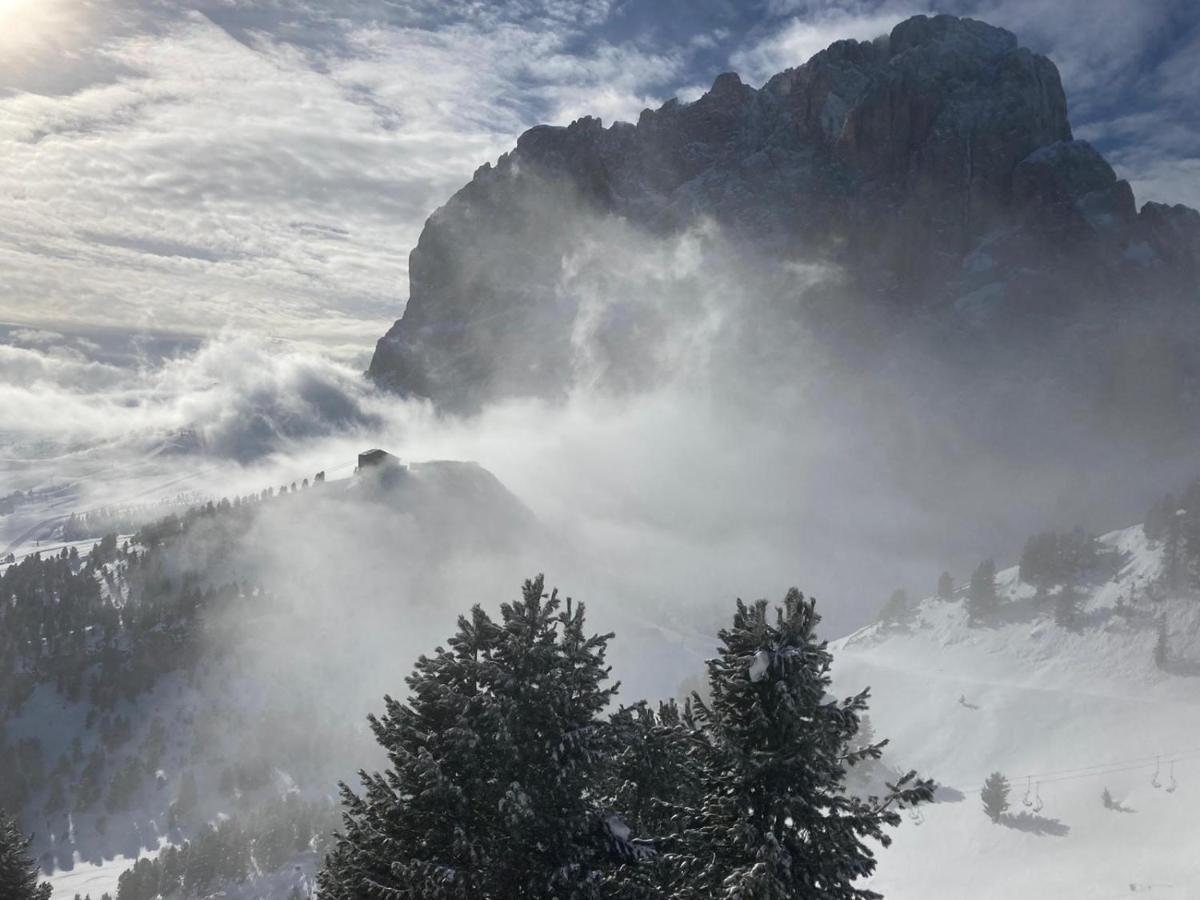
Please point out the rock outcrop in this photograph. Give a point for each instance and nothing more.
(935, 166)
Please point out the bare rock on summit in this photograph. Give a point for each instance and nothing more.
(935, 166)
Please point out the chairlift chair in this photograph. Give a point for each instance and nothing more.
(1171, 783)
(1157, 769)
(1026, 801)
(1037, 798)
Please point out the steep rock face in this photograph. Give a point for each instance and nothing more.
(935, 167)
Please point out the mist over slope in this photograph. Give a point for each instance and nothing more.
(894, 258)
(204, 683)
(310, 603)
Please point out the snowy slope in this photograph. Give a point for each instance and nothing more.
(1077, 711)
(260, 692)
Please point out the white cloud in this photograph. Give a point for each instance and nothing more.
(212, 182)
(236, 397)
(35, 337)
(1094, 43)
(804, 36)
(1164, 180)
(222, 186)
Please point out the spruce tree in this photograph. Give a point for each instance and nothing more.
(1066, 606)
(981, 595)
(1156, 518)
(945, 586)
(995, 796)
(18, 871)
(1041, 560)
(490, 792)
(653, 781)
(772, 756)
(1161, 649)
(1173, 551)
(651, 776)
(1189, 537)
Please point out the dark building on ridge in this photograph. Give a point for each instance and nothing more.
(376, 459)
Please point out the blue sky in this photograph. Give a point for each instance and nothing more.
(266, 165)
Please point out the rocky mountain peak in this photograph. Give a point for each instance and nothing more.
(935, 165)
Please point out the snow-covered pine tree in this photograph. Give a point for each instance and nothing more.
(1173, 552)
(1041, 562)
(653, 780)
(981, 594)
(945, 586)
(18, 871)
(491, 789)
(1066, 606)
(1157, 517)
(995, 796)
(773, 750)
(1161, 648)
(651, 776)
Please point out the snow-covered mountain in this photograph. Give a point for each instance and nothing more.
(1064, 713)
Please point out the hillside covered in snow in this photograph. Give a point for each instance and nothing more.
(186, 696)
(1072, 674)
(180, 693)
(1066, 699)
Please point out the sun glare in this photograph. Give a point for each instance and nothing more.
(27, 24)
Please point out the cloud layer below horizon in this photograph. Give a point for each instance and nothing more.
(266, 166)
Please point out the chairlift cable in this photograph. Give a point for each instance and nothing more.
(1110, 768)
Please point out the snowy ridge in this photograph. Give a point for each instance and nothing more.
(1112, 646)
